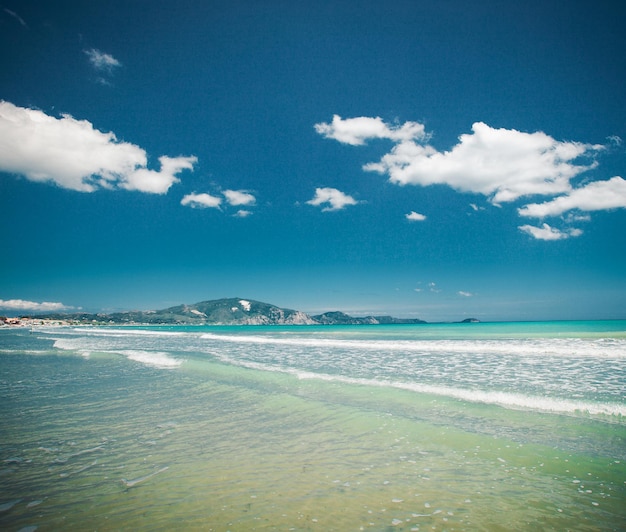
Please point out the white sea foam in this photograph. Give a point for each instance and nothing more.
(157, 359)
(72, 344)
(152, 358)
(125, 332)
(606, 348)
(23, 352)
(563, 375)
(503, 399)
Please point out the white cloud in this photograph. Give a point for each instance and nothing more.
(574, 218)
(464, 294)
(232, 197)
(32, 306)
(502, 164)
(356, 131)
(415, 217)
(574, 232)
(336, 199)
(595, 196)
(16, 17)
(546, 232)
(74, 155)
(146, 180)
(101, 61)
(239, 197)
(433, 287)
(201, 201)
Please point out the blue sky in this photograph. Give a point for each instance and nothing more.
(439, 160)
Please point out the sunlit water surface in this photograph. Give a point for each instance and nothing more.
(445, 427)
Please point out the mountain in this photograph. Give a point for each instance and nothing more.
(234, 311)
(340, 318)
(231, 311)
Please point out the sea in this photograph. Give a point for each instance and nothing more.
(472, 426)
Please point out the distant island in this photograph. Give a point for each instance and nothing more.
(229, 311)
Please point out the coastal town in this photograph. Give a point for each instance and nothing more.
(28, 321)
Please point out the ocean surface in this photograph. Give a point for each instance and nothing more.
(485, 426)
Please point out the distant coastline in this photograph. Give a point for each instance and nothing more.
(229, 311)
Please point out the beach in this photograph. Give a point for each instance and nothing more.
(445, 427)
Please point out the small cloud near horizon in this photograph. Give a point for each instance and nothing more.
(432, 286)
(32, 306)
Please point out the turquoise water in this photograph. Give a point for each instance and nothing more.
(516, 426)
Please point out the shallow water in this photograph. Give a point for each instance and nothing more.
(128, 430)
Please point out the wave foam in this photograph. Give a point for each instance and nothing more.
(514, 401)
(605, 348)
(121, 333)
(157, 359)
(152, 358)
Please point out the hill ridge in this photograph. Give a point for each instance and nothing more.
(228, 311)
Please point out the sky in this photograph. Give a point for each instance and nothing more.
(437, 160)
